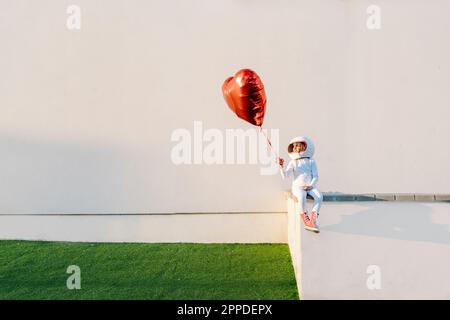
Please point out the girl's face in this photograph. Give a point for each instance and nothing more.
(299, 147)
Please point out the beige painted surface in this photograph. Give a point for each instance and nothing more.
(199, 228)
(87, 115)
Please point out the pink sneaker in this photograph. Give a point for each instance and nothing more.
(307, 223)
(314, 223)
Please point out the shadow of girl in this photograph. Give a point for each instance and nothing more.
(403, 221)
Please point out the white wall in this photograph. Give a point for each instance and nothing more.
(87, 116)
(399, 98)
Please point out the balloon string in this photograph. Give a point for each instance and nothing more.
(268, 142)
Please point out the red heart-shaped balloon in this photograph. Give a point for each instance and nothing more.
(245, 95)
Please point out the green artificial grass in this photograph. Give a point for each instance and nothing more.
(37, 270)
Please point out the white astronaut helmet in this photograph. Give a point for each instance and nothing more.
(309, 151)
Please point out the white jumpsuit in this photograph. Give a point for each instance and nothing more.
(304, 172)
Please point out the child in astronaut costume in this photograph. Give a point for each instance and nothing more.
(303, 168)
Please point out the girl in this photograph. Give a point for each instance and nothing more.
(303, 168)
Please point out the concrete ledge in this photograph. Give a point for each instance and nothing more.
(404, 197)
(337, 197)
(360, 242)
(420, 197)
(424, 197)
(442, 197)
(385, 196)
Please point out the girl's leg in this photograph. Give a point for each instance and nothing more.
(301, 197)
(317, 196)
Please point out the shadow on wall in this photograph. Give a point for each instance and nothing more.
(403, 221)
(48, 177)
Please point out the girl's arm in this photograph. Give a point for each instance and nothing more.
(286, 173)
